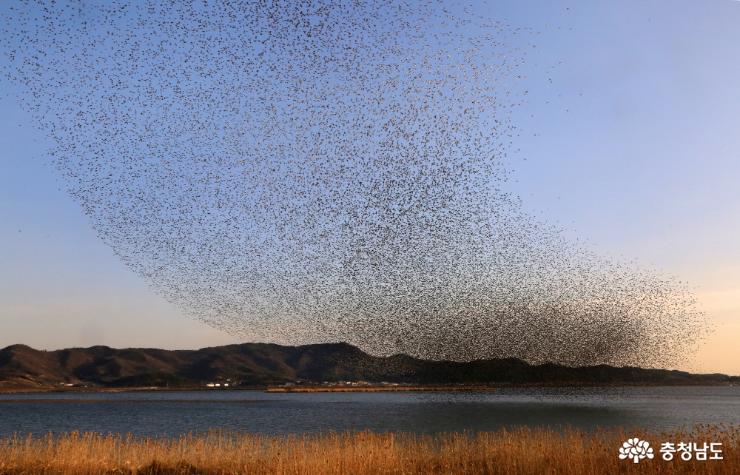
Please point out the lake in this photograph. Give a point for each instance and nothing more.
(172, 413)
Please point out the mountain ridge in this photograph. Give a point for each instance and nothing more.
(262, 364)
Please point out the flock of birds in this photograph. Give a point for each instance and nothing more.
(307, 171)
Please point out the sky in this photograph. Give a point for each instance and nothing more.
(628, 139)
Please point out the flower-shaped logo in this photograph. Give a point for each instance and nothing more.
(636, 450)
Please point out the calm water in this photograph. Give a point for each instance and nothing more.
(173, 413)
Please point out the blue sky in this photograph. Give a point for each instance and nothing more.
(628, 139)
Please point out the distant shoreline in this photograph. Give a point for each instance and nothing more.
(343, 389)
(377, 389)
(325, 367)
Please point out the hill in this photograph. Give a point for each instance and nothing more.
(261, 364)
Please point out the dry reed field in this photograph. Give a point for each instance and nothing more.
(518, 451)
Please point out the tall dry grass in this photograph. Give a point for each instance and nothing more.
(519, 451)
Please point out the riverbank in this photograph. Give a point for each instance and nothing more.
(17, 389)
(519, 451)
(376, 388)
